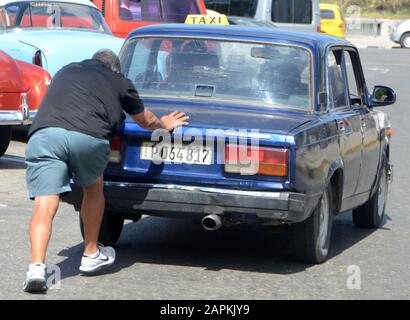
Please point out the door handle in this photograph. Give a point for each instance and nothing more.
(364, 125)
(341, 126)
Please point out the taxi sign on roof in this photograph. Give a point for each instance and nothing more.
(219, 19)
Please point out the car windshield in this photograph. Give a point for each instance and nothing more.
(51, 15)
(215, 70)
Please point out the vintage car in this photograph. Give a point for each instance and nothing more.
(52, 34)
(22, 87)
(123, 16)
(283, 131)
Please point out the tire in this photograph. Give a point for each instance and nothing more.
(405, 40)
(371, 214)
(111, 228)
(5, 137)
(311, 238)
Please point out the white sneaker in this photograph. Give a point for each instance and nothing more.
(35, 278)
(105, 258)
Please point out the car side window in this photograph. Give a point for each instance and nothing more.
(353, 79)
(337, 87)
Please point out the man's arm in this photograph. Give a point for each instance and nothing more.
(147, 120)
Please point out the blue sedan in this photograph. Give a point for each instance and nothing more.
(283, 131)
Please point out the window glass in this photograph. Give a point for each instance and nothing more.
(239, 8)
(156, 10)
(327, 14)
(176, 11)
(140, 10)
(354, 83)
(337, 87)
(238, 72)
(292, 11)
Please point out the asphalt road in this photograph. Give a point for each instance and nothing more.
(171, 259)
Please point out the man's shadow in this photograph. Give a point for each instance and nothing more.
(9, 162)
(178, 242)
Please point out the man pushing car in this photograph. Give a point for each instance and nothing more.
(69, 139)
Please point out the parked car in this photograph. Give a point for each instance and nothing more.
(52, 34)
(401, 34)
(313, 146)
(242, 21)
(22, 87)
(295, 15)
(332, 21)
(123, 16)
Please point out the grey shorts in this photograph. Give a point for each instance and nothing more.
(56, 155)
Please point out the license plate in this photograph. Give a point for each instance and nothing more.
(170, 153)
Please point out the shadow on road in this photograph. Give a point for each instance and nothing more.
(12, 162)
(19, 133)
(180, 243)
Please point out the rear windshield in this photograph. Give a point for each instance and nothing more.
(239, 8)
(157, 10)
(292, 11)
(327, 14)
(214, 70)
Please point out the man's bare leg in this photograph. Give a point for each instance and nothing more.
(45, 208)
(92, 211)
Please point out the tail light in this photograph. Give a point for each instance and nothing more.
(319, 29)
(342, 26)
(38, 59)
(115, 155)
(249, 160)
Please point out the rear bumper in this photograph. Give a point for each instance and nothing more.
(19, 116)
(181, 200)
(14, 118)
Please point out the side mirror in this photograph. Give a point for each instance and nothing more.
(382, 96)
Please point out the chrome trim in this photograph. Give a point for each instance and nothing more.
(261, 194)
(25, 110)
(15, 117)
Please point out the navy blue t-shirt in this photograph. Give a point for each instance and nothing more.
(88, 97)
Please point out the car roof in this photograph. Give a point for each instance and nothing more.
(313, 40)
(329, 6)
(83, 2)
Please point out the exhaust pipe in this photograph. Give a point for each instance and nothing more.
(212, 222)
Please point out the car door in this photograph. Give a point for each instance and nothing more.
(371, 144)
(348, 121)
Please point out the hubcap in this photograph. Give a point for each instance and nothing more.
(406, 42)
(323, 223)
(381, 201)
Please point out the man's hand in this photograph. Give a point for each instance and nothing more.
(148, 120)
(174, 119)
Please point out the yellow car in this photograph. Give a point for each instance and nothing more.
(331, 20)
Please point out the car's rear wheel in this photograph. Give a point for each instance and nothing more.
(405, 40)
(111, 228)
(311, 238)
(5, 137)
(371, 214)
